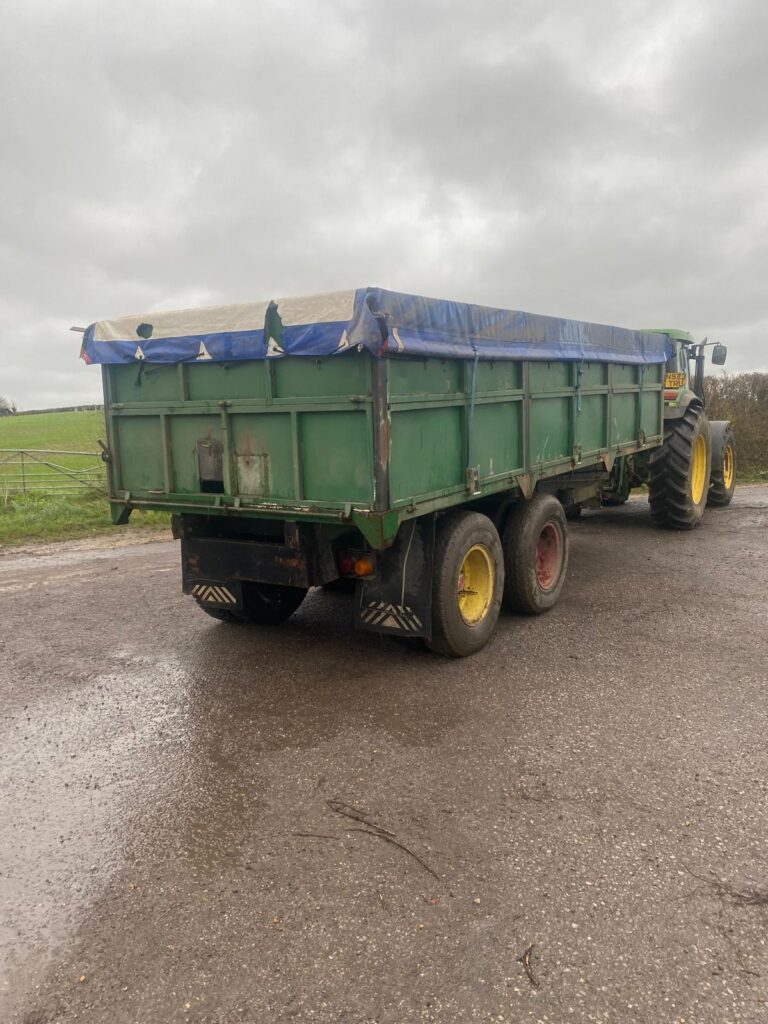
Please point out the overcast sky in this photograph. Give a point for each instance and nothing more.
(583, 158)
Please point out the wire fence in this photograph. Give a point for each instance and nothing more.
(27, 471)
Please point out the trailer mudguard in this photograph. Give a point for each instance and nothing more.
(398, 599)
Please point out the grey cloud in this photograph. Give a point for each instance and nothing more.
(592, 160)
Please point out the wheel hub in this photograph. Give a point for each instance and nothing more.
(698, 469)
(474, 587)
(548, 557)
(728, 467)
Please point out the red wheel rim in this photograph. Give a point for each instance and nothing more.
(548, 557)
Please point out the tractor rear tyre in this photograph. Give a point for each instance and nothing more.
(680, 468)
(266, 604)
(535, 555)
(722, 480)
(468, 584)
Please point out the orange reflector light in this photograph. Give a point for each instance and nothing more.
(363, 566)
(670, 396)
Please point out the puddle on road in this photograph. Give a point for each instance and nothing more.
(166, 759)
(257, 713)
(74, 773)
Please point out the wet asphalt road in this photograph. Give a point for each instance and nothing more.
(592, 787)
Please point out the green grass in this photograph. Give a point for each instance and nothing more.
(37, 516)
(66, 431)
(46, 517)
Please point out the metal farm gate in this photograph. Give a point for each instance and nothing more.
(24, 470)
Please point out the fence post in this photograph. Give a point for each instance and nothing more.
(23, 478)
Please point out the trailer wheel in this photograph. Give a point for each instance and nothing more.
(221, 614)
(535, 555)
(340, 586)
(266, 604)
(269, 604)
(722, 479)
(680, 469)
(468, 584)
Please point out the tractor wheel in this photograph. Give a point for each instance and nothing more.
(468, 584)
(267, 604)
(722, 479)
(535, 555)
(679, 478)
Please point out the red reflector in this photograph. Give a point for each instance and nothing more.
(346, 565)
(670, 396)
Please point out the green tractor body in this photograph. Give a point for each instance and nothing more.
(696, 464)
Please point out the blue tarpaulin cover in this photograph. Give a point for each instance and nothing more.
(386, 323)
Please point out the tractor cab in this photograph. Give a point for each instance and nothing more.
(684, 375)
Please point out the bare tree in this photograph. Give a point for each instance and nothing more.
(742, 398)
(7, 407)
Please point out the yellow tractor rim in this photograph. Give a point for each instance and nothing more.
(474, 589)
(728, 467)
(698, 469)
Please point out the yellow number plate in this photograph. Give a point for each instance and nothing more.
(674, 380)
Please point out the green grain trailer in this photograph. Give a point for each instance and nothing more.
(424, 452)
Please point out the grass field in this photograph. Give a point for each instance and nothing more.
(37, 516)
(69, 431)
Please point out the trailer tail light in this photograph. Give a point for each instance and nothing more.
(670, 396)
(357, 563)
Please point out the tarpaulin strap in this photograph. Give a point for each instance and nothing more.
(639, 432)
(579, 375)
(471, 417)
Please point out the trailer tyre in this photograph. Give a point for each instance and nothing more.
(680, 470)
(722, 480)
(221, 614)
(535, 555)
(266, 604)
(468, 584)
(269, 604)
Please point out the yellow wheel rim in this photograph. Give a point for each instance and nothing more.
(698, 469)
(474, 587)
(728, 467)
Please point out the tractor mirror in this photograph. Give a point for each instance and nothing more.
(719, 352)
